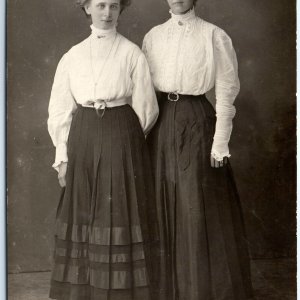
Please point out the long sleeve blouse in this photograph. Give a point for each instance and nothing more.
(190, 56)
(104, 67)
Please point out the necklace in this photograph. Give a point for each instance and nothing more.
(96, 78)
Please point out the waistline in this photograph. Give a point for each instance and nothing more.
(174, 97)
(102, 104)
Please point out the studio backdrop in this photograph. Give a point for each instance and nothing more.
(262, 143)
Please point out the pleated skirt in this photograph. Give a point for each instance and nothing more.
(203, 249)
(106, 218)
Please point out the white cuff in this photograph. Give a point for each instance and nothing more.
(60, 156)
(219, 154)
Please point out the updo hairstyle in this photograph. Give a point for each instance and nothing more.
(123, 3)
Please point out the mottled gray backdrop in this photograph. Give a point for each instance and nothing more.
(263, 141)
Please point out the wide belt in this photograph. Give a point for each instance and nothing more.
(174, 96)
(100, 104)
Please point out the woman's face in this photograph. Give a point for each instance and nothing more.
(179, 7)
(104, 13)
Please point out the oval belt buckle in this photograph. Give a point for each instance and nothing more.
(173, 99)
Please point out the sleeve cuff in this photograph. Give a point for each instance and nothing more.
(219, 154)
(60, 156)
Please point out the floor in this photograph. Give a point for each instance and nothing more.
(272, 280)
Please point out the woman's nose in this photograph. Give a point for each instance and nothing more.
(107, 11)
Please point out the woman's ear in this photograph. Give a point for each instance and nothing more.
(87, 8)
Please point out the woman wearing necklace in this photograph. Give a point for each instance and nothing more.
(204, 253)
(102, 233)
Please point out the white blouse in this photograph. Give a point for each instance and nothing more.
(190, 56)
(104, 67)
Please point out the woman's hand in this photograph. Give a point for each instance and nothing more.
(218, 164)
(62, 174)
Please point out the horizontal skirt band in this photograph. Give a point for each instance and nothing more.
(98, 235)
(100, 279)
(85, 262)
(67, 291)
(99, 257)
(102, 249)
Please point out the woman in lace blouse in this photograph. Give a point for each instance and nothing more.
(106, 209)
(204, 252)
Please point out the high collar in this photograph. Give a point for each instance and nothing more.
(184, 18)
(103, 33)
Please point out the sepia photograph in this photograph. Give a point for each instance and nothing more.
(151, 150)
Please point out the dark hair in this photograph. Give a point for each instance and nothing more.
(123, 3)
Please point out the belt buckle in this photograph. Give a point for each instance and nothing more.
(173, 99)
(100, 104)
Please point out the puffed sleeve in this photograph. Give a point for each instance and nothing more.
(61, 108)
(144, 100)
(227, 87)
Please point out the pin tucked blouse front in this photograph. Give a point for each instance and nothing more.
(106, 66)
(190, 56)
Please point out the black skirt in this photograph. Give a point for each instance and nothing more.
(103, 238)
(204, 252)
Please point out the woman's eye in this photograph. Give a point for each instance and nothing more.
(102, 6)
(114, 6)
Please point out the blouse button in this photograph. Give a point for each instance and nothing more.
(180, 23)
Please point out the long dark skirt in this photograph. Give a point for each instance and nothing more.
(103, 236)
(204, 252)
